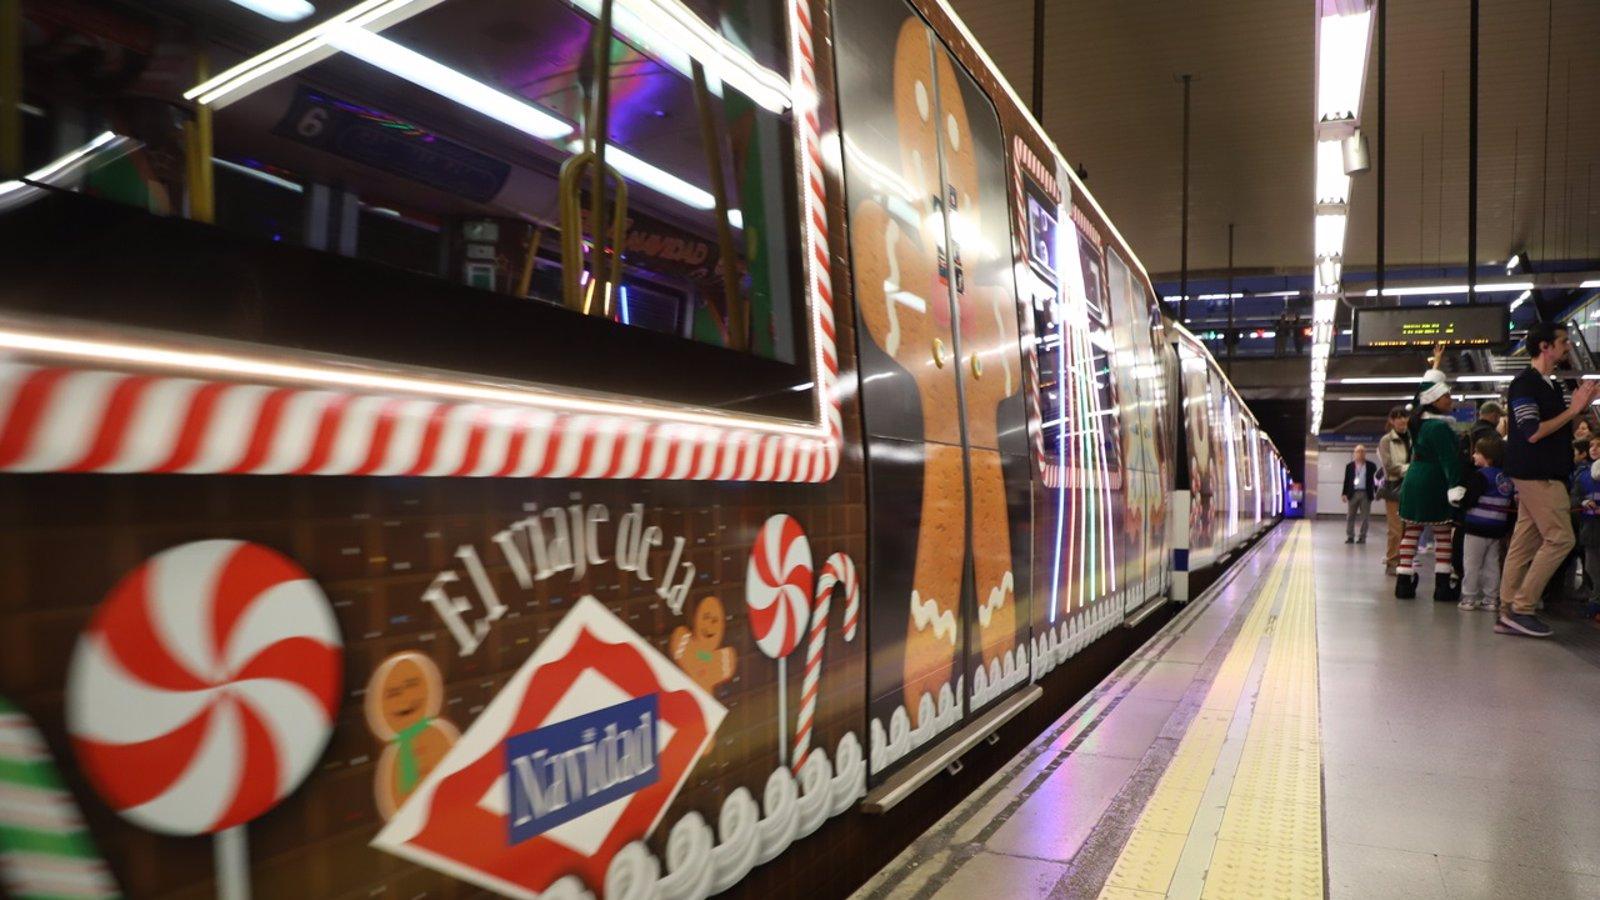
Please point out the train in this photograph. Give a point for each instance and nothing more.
(606, 448)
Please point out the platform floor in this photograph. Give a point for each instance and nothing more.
(1299, 733)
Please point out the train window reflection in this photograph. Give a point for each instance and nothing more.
(435, 144)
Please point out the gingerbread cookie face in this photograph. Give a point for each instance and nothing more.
(408, 693)
(403, 701)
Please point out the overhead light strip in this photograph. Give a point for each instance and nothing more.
(429, 74)
(665, 27)
(1341, 67)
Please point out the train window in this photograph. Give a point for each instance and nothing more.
(433, 141)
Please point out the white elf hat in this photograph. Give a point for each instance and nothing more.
(1433, 386)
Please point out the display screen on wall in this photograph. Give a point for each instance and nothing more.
(1425, 326)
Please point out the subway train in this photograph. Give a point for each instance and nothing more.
(606, 448)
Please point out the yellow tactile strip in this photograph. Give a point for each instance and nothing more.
(1270, 840)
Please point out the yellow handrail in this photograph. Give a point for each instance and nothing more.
(197, 145)
(736, 321)
(572, 256)
(10, 89)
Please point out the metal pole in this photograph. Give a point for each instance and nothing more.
(1038, 61)
(1472, 162)
(1231, 339)
(1383, 132)
(10, 88)
(1183, 264)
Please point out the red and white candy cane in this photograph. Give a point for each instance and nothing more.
(839, 569)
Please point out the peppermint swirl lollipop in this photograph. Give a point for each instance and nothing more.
(204, 689)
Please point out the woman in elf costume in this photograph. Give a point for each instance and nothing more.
(1424, 495)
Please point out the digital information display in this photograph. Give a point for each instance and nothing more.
(1479, 325)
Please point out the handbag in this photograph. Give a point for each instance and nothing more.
(1389, 489)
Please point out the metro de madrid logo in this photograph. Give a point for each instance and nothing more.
(579, 755)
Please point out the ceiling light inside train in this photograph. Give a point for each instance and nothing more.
(655, 178)
(432, 75)
(279, 10)
(664, 28)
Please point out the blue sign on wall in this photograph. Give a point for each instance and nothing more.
(559, 772)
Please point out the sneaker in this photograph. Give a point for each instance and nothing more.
(1488, 605)
(1349, 540)
(1362, 539)
(1525, 624)
(1467, 604)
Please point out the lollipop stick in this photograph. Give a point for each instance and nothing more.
(231, 856)
(783, 711)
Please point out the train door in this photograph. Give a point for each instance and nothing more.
(1134, 362)
(941, 381)
(1096, 425)
(1203, 466)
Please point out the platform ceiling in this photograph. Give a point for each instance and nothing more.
(1113, 104)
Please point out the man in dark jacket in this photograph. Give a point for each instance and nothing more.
(1360, 482)
(1539, 459)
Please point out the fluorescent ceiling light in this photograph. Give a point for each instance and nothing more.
(672, 33)
(1341, 64)
(1328, 268)
(447, 82)
(1591, 283)
(1330, 233)
(1333, 185)
(664, 28)
(1398, 379)
(307, 48)
(1505, 287)
(62, 170)
(259, 175)
(1513, 262)
(1521, 299)
(656, 179)
(279, 10)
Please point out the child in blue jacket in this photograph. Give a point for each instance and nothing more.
(1487, 511)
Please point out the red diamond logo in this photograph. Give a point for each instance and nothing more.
(460, 819)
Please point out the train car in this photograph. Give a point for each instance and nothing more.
(606, 448)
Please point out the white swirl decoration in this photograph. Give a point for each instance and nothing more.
(698, 865)
(1053, 647)
(1005, 672)
(893, 746)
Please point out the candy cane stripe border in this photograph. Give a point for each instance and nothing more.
(60, 416)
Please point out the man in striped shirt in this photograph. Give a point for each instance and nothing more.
(1538, 461)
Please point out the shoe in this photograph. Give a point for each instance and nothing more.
(1524, 624)
(1362, 539)
(1349, 540)
(1489, 605)
(1405, 587)
(1446, 589)
(1467, 604)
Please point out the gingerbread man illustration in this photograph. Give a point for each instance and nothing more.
(698, 649)
(987, 314)
(902, 291)
(404, 698)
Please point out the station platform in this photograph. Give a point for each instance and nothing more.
(1298, 732)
